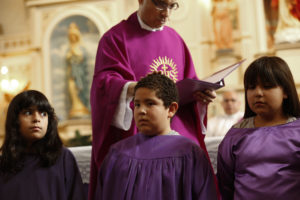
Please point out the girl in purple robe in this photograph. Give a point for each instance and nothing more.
(33, 162)
(259, 158)
(157, 163)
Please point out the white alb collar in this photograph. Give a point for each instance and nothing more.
(146, 27)
(172, 132)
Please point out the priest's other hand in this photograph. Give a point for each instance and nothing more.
(205, 97)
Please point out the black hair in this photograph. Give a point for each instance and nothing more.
(272, 71)
(164, 87)
(14, 147)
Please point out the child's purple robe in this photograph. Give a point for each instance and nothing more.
(61, 181)
(126, 53)
(260, 163)
(156, 168)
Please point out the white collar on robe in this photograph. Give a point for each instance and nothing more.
(172, 132)
(148, 28)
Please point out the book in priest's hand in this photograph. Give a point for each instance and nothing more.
(187, 87)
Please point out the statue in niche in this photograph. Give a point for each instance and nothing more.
(288, 29)
(271, 15)
(77, 74)
(224, 16)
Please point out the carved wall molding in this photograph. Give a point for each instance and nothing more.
(35, 3)
(14, 44)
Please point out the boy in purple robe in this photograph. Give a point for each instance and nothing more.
(157, 163)
(127, 52)
(33, 163)
(259, 157)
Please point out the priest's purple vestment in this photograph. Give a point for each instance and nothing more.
(260, 163)
(126, 53)
(61, 181)
(156, 167)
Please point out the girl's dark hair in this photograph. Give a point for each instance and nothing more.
(272, 71)
(164, 87)
(14, 147)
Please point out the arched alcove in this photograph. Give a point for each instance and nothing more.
(92, 23)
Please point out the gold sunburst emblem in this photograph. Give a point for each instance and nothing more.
(166, 66)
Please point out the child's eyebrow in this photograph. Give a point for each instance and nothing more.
(145, 100)
(149, 99)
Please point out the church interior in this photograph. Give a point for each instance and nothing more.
(38, 37)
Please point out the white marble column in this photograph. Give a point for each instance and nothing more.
(260, 26)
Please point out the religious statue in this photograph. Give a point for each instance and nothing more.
(288, 29)
(222, 24)
(77, 74)
(271, 13)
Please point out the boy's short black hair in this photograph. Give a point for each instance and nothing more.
(164, 87)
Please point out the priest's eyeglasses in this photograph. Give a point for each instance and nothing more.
(161, 5)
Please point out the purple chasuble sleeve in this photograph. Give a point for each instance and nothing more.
(61, 181)
(260, 163)
(159, 167)
(126, 53)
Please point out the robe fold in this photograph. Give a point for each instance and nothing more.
(126, 53)
(260, 163)
(61, 181)
(159, 167)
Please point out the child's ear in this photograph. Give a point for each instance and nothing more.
(172, 109)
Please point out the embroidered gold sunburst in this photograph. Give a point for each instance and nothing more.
(166, 66)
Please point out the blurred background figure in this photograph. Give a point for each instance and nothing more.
(219, 125)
